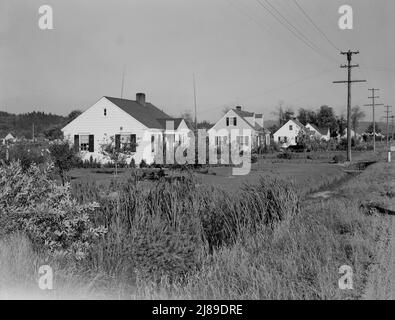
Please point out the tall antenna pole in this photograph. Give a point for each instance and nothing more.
(349, 66)
(123, 81)
(373, 105)
(388, 113)
(194, 96)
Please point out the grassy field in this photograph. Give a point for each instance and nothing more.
(192, 240)
(310, 172)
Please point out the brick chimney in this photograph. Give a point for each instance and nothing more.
(140, 98)
(238, 108)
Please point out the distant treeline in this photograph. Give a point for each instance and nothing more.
(46, 125)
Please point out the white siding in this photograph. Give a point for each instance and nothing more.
(285, 131)
(93, 121)
(220, 129)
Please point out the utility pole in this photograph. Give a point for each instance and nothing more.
(373, 105)
(349, 67)
(392, 128)
(388, 113)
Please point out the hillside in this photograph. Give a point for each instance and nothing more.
(21, 125)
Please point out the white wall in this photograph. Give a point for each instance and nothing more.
(220, 128)
(291, 135)
(93, 121)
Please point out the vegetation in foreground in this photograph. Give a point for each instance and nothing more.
(180, 240)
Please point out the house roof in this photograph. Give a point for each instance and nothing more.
(176, 121)
(298, 123)
(9, 137)
(148, 115)
(243, 113)
(323, 131)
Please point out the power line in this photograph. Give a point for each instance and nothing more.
(291, 28)
(315, 25)
(312, 76)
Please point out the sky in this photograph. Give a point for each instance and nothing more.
(239, 53)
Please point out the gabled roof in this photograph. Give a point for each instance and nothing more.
(298, 123)
(148, 115)
(246, 114)
(243, 113)
(9, 136)
(322, 131)
(176, 122)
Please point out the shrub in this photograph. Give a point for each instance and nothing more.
(63, 156)
(339, 158)
(143, 164)
(285, 155)
(45, 212)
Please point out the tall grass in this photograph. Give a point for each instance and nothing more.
(184, 240)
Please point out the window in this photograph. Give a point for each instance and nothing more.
(246, 140)
(235, 121)
(290, 127)
(279, 139)
(218, 140)
(227, 121)
(152, 143)
(84, 142)
(105, 111)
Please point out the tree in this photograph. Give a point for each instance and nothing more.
(117, 151)
(370, 128)
(326, 118)
(72, 115)
(63, 157)
(341, 124)
(356, 115)
(53, 133)
(288, 115)
(279, 113)
(307, 116)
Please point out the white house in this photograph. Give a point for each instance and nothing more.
(125, 121)
(241, 127)
(319, 133)
(287, 135)
(8, 138)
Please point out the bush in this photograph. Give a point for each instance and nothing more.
(285, 155)
(143, 164)
(339, 158)
(45, 212)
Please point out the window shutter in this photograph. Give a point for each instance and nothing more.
(133, 142)
(91, 143)
(76, 142)
(235, 121)
(117, 141)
